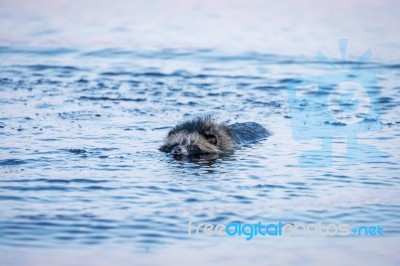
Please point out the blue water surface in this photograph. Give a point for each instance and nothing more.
(85, 105)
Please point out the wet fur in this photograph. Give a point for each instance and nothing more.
(204, 133)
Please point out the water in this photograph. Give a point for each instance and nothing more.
(82, 116)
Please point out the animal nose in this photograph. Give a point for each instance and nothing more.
(177, 150)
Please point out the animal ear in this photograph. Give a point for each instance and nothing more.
(211, 138)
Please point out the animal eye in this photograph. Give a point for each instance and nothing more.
(193, 149)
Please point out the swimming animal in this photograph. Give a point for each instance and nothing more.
(204, 135)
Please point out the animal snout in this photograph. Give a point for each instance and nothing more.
(177, 150)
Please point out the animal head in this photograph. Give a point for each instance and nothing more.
(201, 135)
